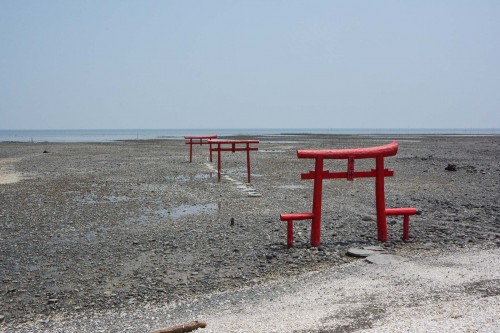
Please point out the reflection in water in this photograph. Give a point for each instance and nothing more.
(157, 215)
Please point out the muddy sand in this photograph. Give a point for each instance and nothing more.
(88, 228)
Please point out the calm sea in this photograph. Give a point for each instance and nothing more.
(148, 134)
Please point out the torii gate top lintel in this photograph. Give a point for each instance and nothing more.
(227, 141)
(389, 149)
(220, 142)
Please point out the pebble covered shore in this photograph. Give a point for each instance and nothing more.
(99, 226)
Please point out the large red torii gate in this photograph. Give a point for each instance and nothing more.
(379, 173)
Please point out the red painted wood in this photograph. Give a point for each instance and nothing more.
(406, 212)
(296, 216)
(202, 140)
(290, 218)
(289, 238)
(350, 168)
(356, 174)
(400, 211)
(233, 148)
(316, 209)
(380, 200)
(390, 149)
(224, 141)
(406, 227)
(379, 173)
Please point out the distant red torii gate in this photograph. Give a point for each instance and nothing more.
(233, 147)
(379, 173)
(202, 140)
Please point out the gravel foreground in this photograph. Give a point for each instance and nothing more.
(130, 237)
(435, 293)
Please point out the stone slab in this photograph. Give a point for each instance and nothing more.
(385, 259)
(360, 253)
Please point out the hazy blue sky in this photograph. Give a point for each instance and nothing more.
(243, 64)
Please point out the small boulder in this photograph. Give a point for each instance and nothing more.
(451, 167)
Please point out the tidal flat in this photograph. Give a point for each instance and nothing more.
(115, 225)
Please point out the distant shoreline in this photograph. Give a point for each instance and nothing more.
(108, 135)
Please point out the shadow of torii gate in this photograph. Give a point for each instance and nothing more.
(379, 173)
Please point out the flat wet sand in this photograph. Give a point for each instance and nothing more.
(99, 226)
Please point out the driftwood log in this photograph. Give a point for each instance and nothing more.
(182, 328)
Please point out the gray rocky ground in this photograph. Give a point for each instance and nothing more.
(117, 227)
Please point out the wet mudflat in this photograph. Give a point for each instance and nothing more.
(112, 225)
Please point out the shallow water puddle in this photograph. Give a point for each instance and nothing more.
(180, 178)
(154, 216)
(202, 176)
(86, 199)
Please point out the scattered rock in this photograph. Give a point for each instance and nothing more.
(451, 167)
(427, 246)
(52, 301)
(45, 152)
